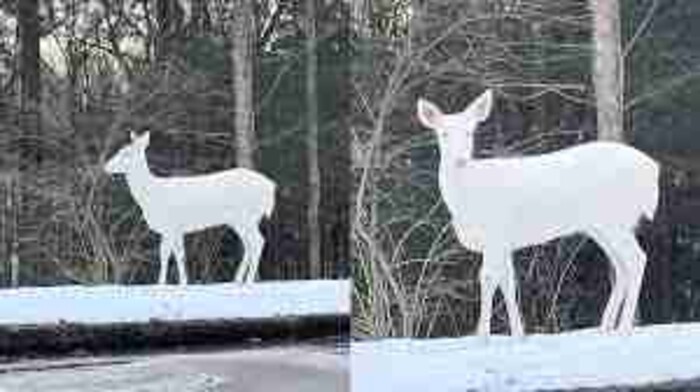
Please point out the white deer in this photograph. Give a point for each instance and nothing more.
(498, 205)
(175, 206)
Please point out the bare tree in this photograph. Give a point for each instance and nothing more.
(242, 56)
(314, 171)
(608, 69)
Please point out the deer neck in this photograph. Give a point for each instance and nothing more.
(140, 180)
(455, 161)
(457, 154)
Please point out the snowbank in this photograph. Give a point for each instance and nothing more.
(138, 303)
(651, 354)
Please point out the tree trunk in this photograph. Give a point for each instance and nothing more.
(242, 58)
(361, 28)
(314, 173)
(416, 29)
(29, 97)
(200, 17)
(360, 13)
(170, 18)
(29, 82)
(608, 69)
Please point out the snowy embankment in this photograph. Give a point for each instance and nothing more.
(581, 359)
(141, 304)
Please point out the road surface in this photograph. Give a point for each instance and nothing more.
(281, 369)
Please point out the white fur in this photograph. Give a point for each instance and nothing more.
(600, 189)
(175, 206)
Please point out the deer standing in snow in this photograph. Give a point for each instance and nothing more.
(175, 206)
(498, 205)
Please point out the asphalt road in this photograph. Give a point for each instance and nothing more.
(279, 369)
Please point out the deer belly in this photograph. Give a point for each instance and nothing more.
(515, 227)
(187, 220)
(527, 229)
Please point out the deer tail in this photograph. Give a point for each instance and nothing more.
(650, 206)
(269, 200)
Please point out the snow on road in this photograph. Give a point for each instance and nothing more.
(586, 358)
(143, 303)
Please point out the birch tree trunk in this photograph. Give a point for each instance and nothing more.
(242, 58)
(608, 69)
(314, 172)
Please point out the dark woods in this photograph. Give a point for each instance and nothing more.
(320, 96)
(218, 83)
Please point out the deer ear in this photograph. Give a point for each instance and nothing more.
(147, 138)
(132, 135)
(428, 113)
(480, 108)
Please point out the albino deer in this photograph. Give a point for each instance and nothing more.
(175, 206)
(498, 205)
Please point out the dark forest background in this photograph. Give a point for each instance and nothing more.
(320, 96)
(217, 83)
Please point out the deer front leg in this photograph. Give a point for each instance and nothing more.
(178, 247)
(489, 276)
(165, 251)
(509, 288)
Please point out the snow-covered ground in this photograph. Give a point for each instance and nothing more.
(140, 303)
(587, 358)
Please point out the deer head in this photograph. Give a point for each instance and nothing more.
(455, 131)
(128, 156)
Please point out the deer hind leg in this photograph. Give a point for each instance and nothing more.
(636, 263)
(255, 242)
(165, 252)
(178, 247)
(608, 239)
